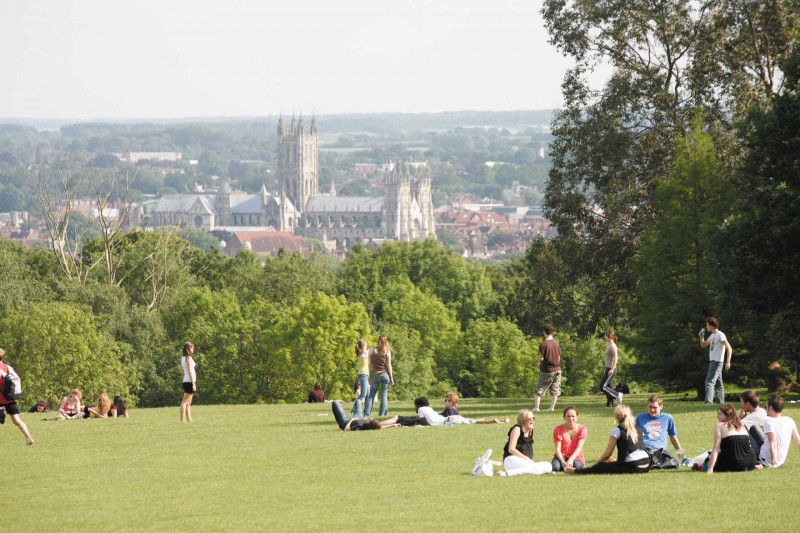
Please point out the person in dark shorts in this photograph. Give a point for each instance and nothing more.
(189, 381)
(10, 407)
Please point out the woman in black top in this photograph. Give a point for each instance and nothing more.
(632, 458)
(518, 451)
(732, 451)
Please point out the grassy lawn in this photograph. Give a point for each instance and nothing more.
(288, 466)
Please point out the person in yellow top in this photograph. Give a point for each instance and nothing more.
(362, 359)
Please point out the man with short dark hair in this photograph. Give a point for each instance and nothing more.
(656, 427)
(719, 344)
(549, 366)
(753, 417)
(780, 431)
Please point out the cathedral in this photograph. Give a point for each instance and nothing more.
(404, 213)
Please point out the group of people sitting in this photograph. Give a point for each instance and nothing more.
(748, 439)
(71, 408)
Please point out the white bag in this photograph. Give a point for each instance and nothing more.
(483, 466)
(699, 460)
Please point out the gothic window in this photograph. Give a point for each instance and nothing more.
(198, 221)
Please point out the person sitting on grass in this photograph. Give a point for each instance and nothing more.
(432, 418)
(780, 431)
(753, 418)
(118, 408)
(656, 426)
(569, 439)
(518, 451)
(732, 451)
(317, 395)
(632, 458)
(70, 408)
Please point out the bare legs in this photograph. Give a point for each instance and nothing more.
(21, 425)
(492, 421)
(186, 407)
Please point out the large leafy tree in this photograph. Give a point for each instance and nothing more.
(57, 347)
(759, 248)
(613, 142)
(678, 281)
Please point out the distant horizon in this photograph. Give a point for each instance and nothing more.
(157, 60)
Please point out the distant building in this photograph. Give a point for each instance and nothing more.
(405, 212)
(135, 157)
(264, 242)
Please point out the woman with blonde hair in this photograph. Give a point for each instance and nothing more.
(627, 438)
(189, 381)
(102, 408)
(362, 360)
(610, 370)
(732, 451)
(518, 451)
(381, 375)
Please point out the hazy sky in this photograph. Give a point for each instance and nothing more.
(88, 59)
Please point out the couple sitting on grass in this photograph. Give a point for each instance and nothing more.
(425, 416)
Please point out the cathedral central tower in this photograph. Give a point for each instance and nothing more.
(298, 166)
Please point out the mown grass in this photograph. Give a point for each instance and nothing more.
(288, 467)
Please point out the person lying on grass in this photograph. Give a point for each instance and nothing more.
(358, 422)
(518, 452)
(632, 457)
(432, 418)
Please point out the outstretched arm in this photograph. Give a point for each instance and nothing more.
(612, 443)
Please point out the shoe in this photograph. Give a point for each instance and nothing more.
(620, 398)
(535, 410)
(551, 410)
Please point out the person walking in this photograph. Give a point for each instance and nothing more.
(610, 370)
(10, 407)
(549, 366)
(719, 345)
(381, 375)
(189, 381)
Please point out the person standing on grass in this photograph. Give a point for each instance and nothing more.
(10, 407)
(362, 360)
(549, 366)
(569, 438)
(780, 431)
(753, 418)
(518, 451)
(381, 375)
(627, 438)
(610, 370)
(189, 381)
(657, 427)
(732, 451)
(719, 344)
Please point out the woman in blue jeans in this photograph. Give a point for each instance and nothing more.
(362, 359)
(381, 375)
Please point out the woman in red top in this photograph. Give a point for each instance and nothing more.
(11, 407)
(569, 438)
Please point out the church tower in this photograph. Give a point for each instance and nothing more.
(298, 165)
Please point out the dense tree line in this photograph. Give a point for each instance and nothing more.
(266, 329)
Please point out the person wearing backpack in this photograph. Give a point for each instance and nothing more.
(8, 402)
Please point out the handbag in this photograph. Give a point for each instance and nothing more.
(483, 466)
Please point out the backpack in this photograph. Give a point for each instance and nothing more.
(11, 385)
(663, 461)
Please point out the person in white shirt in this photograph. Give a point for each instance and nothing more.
(426, 416)
(753, 417)
(719, 345)
(781, 431)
